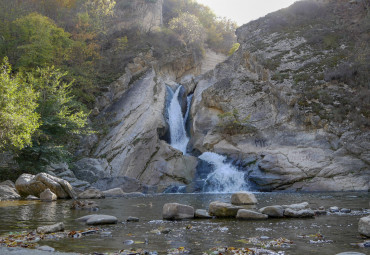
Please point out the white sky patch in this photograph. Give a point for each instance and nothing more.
(243, 11)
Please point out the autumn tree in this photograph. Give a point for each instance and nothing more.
(188, 27)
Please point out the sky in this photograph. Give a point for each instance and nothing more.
(243, 11)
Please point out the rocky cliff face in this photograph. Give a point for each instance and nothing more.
(296, 75)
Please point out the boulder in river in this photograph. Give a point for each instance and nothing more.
(364, 226)
(91, 194)
(244, 214)
(50, 228)
(243, 198)
(300, 206)
(275, 211)
(221, 209)
(48, 196)
(8, 193)
(116, 192)
(304, 213)
(28, 184)
(202, 214)
(175, 211)
(98, 219)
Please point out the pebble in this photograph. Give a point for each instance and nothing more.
(166, 231)
(128, 242)
(106, 234)
(334, 209)
(46, 248)
(345, 210)
(132, 219)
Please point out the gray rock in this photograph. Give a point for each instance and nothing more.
(243, 198)
(51, 228)
(128, 242)
(125, 183)
(91, 169)
(132, 219)
(175, 211)
(26, 251)
(8, 193)
(46, 248)
(300, 206)
(334, 209)
(276, 211)
(116, 192)
(28, 184)
(48, 196)
(364, 226)
(320, 212)
(91, 194)
(202, 214)
(244, 214)
(68, 173)
(304, 213)
(30, 197)
(220, 209)
(345, 210)
(98, 219)
(350, 253)
(8, 183)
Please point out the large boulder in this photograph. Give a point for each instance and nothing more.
(175, 211)
(116, 192)
(48, 196)
(364, 226)
(28, 184)
(221, 209)
(91, 194)
(8, 193)
(98, 219)
(243, 198)
(244, 214)
(274, 211)
(50, 228)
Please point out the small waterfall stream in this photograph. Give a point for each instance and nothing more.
(220, 176)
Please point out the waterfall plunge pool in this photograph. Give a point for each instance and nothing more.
(196, 236)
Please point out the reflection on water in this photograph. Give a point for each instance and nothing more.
(197, 235)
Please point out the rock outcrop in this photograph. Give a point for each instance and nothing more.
(296, 123)
(8, 193)
(28, 184)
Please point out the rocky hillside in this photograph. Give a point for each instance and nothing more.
(291, 106)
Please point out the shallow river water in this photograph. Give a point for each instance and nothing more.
(197, 236)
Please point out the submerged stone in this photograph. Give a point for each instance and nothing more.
(98, 219)
(50, 228)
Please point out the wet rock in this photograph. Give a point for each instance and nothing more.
(106, 234)
(304, 213)
(8, 193)
(276, 211)
(128, 242)
(85, 205)
(133, 195)
(244, 214)
(30, 197)
(166, 231)
(320, 212)
(46, 248)
(364, 226)
(350, 253)
(28, 184)
(8, 183)
(345, 210)
(300, 206)
(221, 209)
(243, 198)
(50, 228)
(98, 219)
(202, 214)
(175, 211)
(91, 194)
(132, 219)
(48, 196)
(116, 192)
(321, 208)
(334, 209)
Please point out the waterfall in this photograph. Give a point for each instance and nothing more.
(218, 175)
(179, 139)
(225, 177)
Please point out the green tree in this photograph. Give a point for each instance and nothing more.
(18, 102)
(38, 42)
(189, 28)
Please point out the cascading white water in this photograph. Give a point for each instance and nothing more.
(179, 139)
(225, 177)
